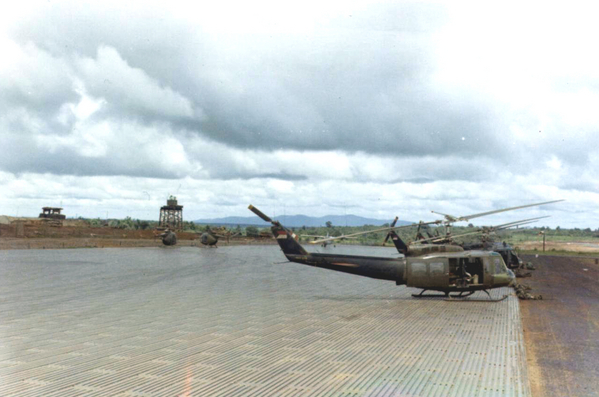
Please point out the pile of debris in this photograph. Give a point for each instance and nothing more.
(522, 270)
(522, 291)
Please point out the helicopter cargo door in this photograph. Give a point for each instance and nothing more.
(438, 274)
(428, 274)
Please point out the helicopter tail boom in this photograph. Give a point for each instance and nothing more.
(375, 267)
(287, 241)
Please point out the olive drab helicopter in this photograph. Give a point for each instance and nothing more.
(168, 237)
(326, 238)
(508, 254)
(211, 236)
(485, 243)
(444, 268)
(446, 222)
(440, 268)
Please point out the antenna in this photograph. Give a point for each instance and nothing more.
(345, 212)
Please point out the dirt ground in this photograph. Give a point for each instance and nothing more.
(558, 246)
(562, 331)
(48, 237)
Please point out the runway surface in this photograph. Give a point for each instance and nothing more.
(232, 322)
(562, 330)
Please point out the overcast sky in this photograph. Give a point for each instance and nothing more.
(372, 108)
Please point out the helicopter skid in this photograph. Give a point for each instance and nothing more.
(457, 299)
(428, 296)
(421, 295)
(454, 298)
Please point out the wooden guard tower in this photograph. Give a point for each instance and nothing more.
(52, 213)
(171, 214)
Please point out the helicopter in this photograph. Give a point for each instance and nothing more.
(447, 222)
(486, 244)
(326, 238)
(210, 237)
(444, 268)
(168, 237)
(508, 254)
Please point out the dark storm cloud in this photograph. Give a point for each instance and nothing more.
(359, 82)
(382, 108)
(67, 161)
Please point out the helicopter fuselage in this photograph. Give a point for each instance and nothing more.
(209, 239)
(440, 270)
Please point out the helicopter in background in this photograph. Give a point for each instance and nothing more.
(446, 223)
(325, 239)
(445, 268)
(167, 236)
(211, 236)
(508, 254)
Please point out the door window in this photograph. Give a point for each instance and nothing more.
(419, 269)
(437, 269)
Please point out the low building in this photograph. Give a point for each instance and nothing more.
(52, 213)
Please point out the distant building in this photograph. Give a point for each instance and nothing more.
(171, 214)
(52, 213)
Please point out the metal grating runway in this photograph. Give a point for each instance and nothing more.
(229, 322)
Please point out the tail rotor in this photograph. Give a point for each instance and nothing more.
(389, 233)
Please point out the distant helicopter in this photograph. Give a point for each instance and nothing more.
(325, 239)
(444, 268)
(486, 244)
(211, 236)
(447, 222)
(168, 237)
(508, 254)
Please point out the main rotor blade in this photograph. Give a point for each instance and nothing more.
(491, 229)
(450, 218)
(517, 223)
(260, 214)
(383, 229)
(441, 238)
(514, 225)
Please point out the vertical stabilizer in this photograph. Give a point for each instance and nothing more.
(286, 238)
(287, 241)
(398, 242)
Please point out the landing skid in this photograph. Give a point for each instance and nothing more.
(458, 297)
(454, 298)
(420, 295)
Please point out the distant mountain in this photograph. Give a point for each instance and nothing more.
(299, 221)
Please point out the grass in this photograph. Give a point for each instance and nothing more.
(558, 253)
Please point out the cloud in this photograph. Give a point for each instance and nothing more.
(336, 103)
(128, 196)
(343, 84)
(130, 91)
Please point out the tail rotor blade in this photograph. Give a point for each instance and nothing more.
(388, 236)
